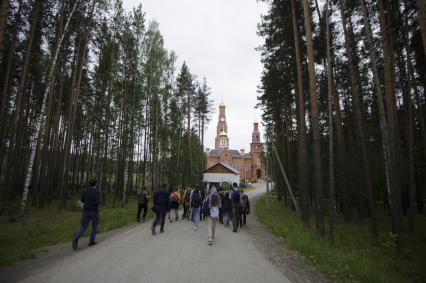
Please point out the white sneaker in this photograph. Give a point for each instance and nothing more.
(195, 227)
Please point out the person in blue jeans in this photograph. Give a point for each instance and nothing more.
(195, 203)
(91, 198)
(161, 206)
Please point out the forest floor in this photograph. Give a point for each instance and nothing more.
(181, 254)
(355, 256)
(38, 229)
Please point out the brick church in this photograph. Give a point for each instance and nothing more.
(248, 164)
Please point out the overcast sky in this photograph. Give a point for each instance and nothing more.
(217, 39)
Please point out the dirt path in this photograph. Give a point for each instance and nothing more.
(179, 255)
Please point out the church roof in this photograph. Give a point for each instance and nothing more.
(229, 168)
(234, 153)
(214, 152)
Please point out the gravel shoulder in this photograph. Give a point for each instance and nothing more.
(289, 262)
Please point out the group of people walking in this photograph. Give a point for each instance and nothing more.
(212, 205)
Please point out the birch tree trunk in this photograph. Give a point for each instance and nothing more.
(38, 136)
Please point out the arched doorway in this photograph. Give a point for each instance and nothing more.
(258, 173)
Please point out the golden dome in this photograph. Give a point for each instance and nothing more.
(223, 134)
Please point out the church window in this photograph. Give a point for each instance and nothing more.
(222, 143)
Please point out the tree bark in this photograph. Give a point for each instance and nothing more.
(356, 104)
(301, 124)
(394, 196)
(330, 127)
(38, 137)
(4, 11)
(315, 121)
(421, 11)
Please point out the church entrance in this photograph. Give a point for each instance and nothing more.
(258, 173)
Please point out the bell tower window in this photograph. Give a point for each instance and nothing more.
(223, 143)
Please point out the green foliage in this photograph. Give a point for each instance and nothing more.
(42, 228)
(355, 256)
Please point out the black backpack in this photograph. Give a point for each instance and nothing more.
(235, 196)
(196, 200)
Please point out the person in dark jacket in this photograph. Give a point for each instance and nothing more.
(244, 209)
(143, 199)
(91, 198)
(203, 196)
(222, 199)
(226, 209)
(161, 206)
(235, 197)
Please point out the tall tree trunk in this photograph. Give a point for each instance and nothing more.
(356, 104)
(315, 121)
(4, 11)
(7, 80)
(75, 94)
(421, 11)
(189, 168)
(302, 168)
(330, 127)
(394, 196)
(406, 75)
(38, 137)
(20, 102)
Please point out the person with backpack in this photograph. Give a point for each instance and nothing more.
(234, 196)
(174, 205)
(143, 200)
(222, 196)
(185, 203)
(161, 205)
(203, 196)
(244, 209)
(213, 203)
(195, 203)
(91, 198)
(226, 209)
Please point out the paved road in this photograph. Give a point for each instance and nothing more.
(178, 255)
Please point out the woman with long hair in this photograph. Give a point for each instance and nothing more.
(214, 203)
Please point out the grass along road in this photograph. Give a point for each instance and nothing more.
(355, 256)
(42, 228)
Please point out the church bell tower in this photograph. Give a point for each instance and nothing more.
(256, 152)
(222, 140)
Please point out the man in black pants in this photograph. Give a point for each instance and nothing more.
(161, 205)
(91, 199)
(235, 198)
(244, 209)
(143, 200)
